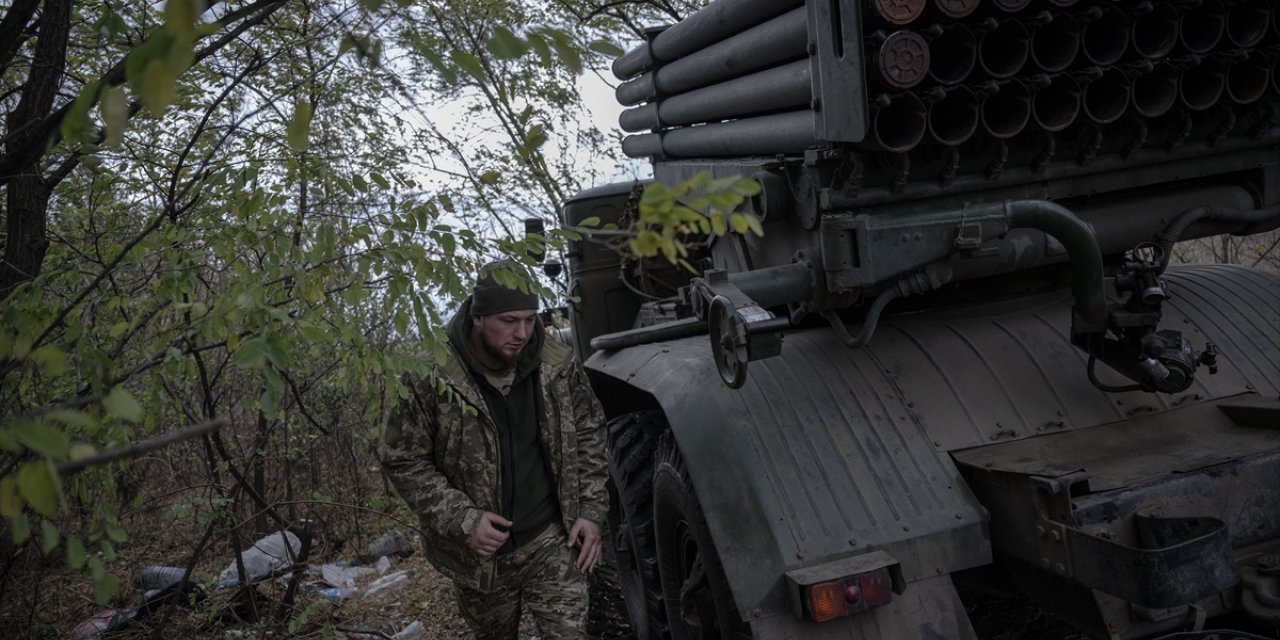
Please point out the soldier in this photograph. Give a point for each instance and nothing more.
(506, 467)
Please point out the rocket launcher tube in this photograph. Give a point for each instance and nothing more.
(704, 27)
(775, 89)
(776, 41)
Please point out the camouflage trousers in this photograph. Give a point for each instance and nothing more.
(540, 575)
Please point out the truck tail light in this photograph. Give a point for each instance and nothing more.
(849, 595)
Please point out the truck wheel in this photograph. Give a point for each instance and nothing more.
(633, 439)
(699, 602)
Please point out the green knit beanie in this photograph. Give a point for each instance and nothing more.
(490, 297)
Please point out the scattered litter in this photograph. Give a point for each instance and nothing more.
(160, 578)
(337, 592)
(336, 575)
(264, 558)
(383, 565)
(102, 622)
(414, 631)
(389, 581)
(391, 543)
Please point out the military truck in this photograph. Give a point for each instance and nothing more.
(959, 357)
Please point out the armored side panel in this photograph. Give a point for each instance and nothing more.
(827, 452)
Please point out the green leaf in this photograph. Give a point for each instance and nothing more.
(41, 437)
(118, 329)
(277, 350)
(753, 223)
(379, 180)
(115, 115)
(468, 63)
(135, 65)
(535, 137)
(120, 403)
(251, 353)
(446, 72)
(299, 126)
(159, 86)
(738, 223)
(180, 17)
(607, 48)
(38, 484)
(96, 568)
(105, 587)
(590, 222)
(21, 528)
(718, 226)
(505, 45)
(115, 532)
(81, 450)
(75, 553)
(10, 501)
(490, 177)
(49, 536)
(568, 53)
(540, 47)
(75, 124)
(51, 359)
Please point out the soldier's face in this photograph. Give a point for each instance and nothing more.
(504, 335)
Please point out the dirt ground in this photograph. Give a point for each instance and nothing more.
(233, 613)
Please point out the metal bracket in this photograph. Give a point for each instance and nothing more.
(1177, 561)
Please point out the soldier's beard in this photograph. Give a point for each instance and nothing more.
(496, 355)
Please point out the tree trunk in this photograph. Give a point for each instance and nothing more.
(27, 197)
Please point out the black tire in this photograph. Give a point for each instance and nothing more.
(633, 439)
(607, 615)
(698, 600)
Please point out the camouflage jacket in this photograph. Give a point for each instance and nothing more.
(442, 458)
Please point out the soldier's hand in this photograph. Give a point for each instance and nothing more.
(592, 546)
(490, 534)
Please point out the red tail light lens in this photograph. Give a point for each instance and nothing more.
(849, 595)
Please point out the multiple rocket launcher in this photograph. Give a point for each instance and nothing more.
(768, 77)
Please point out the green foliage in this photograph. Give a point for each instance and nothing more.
(671, 217)
(276, 237)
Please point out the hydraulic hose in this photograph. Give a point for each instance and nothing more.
(868, 325)
(1082, 248)
(1246, 219)
(930, 278)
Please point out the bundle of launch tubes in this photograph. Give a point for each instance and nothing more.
(737, 77)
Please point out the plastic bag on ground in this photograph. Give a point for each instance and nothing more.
(102, 622)
(383, 565)
(263, 558)
(336, 575)
(389, 581)
(414, 631)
